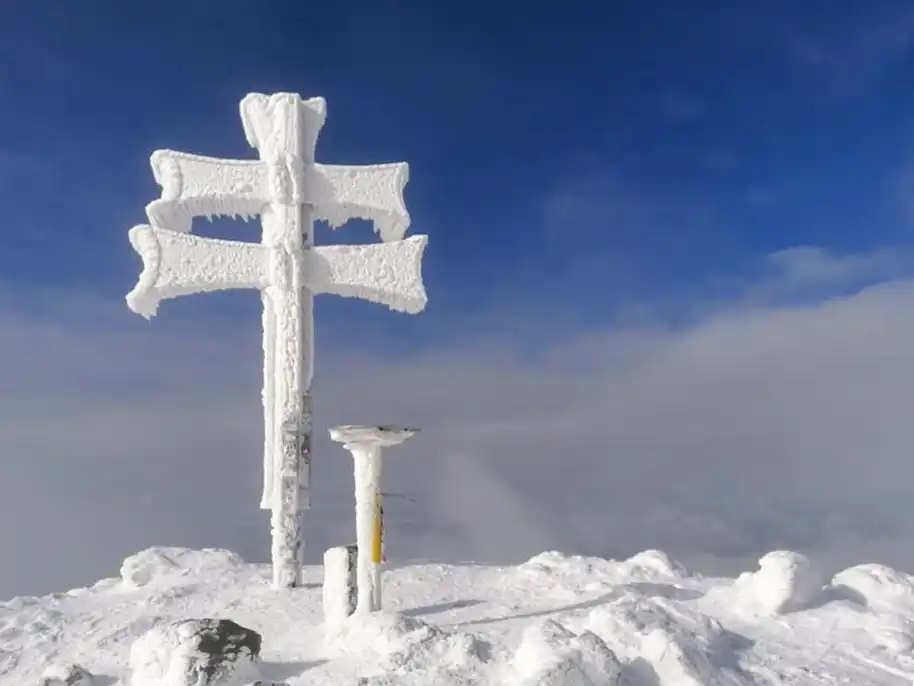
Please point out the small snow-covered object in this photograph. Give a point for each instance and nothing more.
(71, 675)
(785, 582)
(652, 565)
(550, 654)
(159, 563)
(196, 652)
(880, 588)
(366, 444)
(340, 587)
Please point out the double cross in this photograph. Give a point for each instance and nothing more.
(288, 190)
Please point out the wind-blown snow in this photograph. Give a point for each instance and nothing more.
(554, 620)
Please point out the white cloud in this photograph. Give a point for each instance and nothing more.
(755, 429)
(811, 271)
(812, 264)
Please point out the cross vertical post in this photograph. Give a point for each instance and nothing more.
(287, 144)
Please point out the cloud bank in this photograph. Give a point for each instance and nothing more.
(758, 427)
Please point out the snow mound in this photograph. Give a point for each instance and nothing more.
(662, 642)
(877, 587)
(179, 654)
(396, 648)
(785, 582)
(155, 564)
(652, 565)
(550, 654)
(554, 563)
(574, 572)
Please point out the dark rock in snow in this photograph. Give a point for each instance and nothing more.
(196, 652)
(71, 675)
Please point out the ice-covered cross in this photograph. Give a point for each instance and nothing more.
(289, 191)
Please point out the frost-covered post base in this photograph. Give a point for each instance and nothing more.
(366, 443)
(340, 584)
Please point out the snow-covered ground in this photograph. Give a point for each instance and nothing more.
(553, 620)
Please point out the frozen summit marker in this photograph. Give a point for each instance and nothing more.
(366, 444)
(289, 191)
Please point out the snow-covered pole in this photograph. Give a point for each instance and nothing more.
(290, 191)
(365, 443)
(340, 587)
(285, 134)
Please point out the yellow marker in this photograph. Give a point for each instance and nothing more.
(378, 529)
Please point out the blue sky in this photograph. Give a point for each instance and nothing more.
(632, 150)
(670, 279)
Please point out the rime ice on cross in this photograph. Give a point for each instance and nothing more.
(289, 190)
